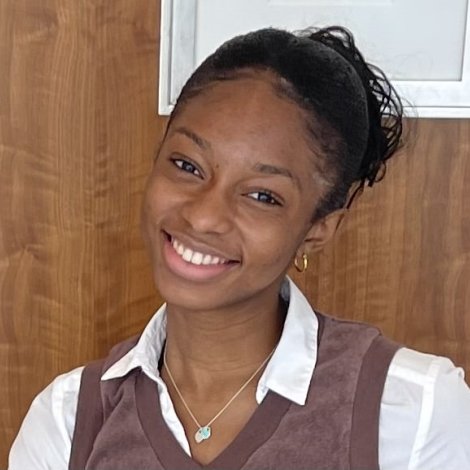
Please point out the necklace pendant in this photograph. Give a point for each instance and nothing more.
(202, 434)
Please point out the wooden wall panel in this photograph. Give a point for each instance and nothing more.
(77, 133)
(78, 130)
(401, 259)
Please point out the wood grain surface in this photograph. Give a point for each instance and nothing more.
(78, 131)
(401, 259)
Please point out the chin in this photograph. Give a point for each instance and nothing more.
(219, 294)
(191, 297)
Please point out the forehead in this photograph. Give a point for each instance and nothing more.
(249, 115)
(251, 101)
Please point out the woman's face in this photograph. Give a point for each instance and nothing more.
(231, 195)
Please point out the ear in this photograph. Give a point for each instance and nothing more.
(322, 231)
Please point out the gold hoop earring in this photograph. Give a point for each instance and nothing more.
(303, 267)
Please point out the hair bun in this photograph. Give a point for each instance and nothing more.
(383, 103)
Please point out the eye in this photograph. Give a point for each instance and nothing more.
(186, 166)
(265, 197)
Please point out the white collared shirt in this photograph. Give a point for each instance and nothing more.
(424, 414)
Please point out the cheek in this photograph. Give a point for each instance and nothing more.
(158, 198)
(153, 207)
(278, 240)
(273, 246)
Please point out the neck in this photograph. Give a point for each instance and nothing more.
(222, 345)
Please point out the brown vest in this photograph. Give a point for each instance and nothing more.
(119, 425)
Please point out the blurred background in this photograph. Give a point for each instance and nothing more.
(78, 133)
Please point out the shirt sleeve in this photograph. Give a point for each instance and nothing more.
(44, 439)
(424, 415)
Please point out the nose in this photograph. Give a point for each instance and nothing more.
(209, 211)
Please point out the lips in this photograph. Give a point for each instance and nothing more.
(193, 264)
(195, 257)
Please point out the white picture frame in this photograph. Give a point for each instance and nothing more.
(445, 98)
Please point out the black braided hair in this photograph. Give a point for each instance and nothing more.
(353, 113)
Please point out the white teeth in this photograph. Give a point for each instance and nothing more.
(187, 254)
(179, 248)
(195, 257)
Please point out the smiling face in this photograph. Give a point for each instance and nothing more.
(231, 196)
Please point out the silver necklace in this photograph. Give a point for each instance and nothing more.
(204, 432)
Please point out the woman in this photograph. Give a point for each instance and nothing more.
(269, 141)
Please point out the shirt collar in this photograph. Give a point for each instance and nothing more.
(289, 371)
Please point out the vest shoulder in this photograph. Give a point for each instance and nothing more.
(334, 322)
(343, 334)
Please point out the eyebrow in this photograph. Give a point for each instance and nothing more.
(198, 140)
(258, 167)
(276, 170)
